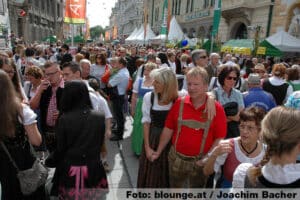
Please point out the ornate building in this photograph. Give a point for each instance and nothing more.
(35, 19)
(4, 24)
(126, 16)
(286, 16)
(240, 18)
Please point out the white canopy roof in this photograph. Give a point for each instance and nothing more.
(175, 32)
(284, 42)
(141, 37)
(131, 35)
(137, 33)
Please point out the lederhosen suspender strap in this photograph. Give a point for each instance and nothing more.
(192, 124)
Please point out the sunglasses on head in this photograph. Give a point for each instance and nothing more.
(231, 78)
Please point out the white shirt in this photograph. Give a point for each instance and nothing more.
(147, 105)
(240, 156)
(97, 71)
(29, 117)
(98, 102)
(173, 66)
(274, 173)
(135, 88)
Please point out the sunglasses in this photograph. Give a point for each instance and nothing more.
(203, 57)
(231, 78)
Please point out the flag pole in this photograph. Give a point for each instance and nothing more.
(211, 43)
(72, 35)
(216, 22)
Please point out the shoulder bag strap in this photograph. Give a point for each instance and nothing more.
(179, 121)
(152, 100)
(9, 156)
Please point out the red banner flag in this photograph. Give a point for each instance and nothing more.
(75, 11)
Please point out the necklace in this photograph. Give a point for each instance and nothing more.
(249, 152)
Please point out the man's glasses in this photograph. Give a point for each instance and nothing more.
(50, 74)
(231, 78)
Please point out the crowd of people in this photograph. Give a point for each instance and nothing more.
(199, 120)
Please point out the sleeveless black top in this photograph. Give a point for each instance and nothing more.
(262, 182)
(158, 117)
(278, 91)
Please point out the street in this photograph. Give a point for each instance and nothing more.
(123, 163)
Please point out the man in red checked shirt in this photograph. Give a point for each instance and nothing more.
(192, 134)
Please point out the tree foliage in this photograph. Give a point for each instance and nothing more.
(96, 31)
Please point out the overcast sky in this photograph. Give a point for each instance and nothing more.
(98, 11)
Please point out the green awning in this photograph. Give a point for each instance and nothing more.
(51, 39)
(246, 46)
(76, 39)
(207, 46)
(270, 49)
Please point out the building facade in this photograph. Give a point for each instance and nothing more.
(34, 20)
(126, 16)
(240, 19)
(4, 25)
(286, 16)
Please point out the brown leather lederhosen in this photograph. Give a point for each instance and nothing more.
(182, 164)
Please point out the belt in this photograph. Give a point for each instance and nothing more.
(182, 156)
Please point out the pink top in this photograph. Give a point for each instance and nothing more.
(230, 164)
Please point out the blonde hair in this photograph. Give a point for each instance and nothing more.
(199, 71)
(79, 57)
(150, 65)
(184, 57)
(166, 77)
(280, 131)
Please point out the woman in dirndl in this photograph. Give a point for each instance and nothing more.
(156, 105)
(140, 88)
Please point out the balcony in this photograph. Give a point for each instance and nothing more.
(194, 15)
(241, 8)
(232, 5)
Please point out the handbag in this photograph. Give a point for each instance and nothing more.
(231, 108)
(30, 179)
(106, 75)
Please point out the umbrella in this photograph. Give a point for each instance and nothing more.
(116, 42)
(51, 38)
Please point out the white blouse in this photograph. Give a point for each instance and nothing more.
(29, 117)
(146, 106)
(274, 173)
(240, 156)
(135, 88)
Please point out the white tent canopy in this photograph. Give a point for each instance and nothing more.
(284, 42)
(131, 35)
(134, 36)
(141, 37)
(175, 31)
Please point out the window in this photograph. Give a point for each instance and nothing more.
(179, 5)
(205, 4)
(187, 6)
(156, 14)
(173, 7)
(192, 5)
(212, 3)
